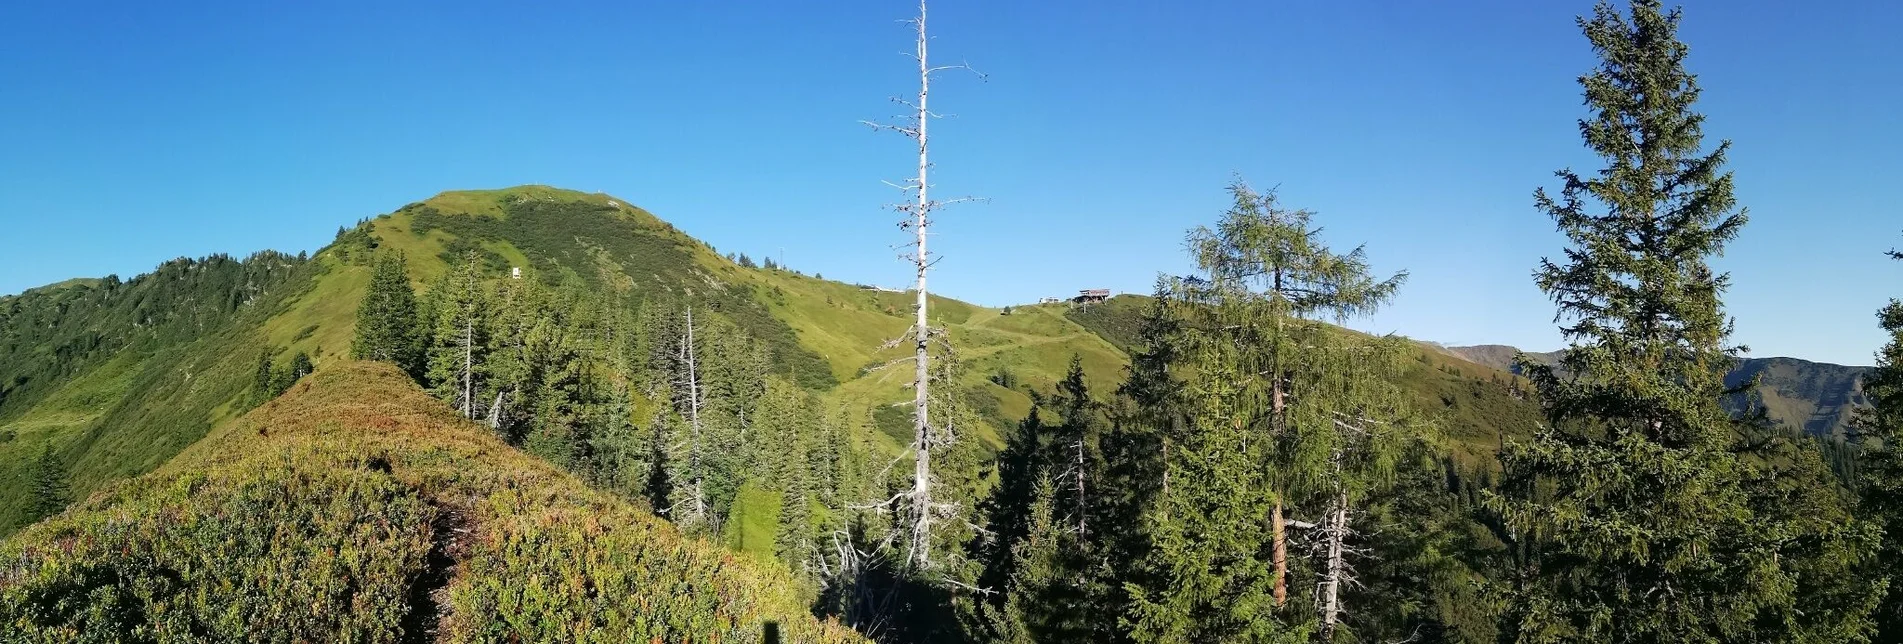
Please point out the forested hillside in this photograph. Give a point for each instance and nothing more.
(102, 379)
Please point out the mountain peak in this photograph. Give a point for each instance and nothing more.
(494, 202)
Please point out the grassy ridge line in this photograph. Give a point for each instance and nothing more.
(358, 508)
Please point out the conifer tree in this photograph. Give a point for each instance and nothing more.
(458, 337)
(658, 487)
(1632, 502)
(300, 366)
(51, 492)
(1880, 475)
(264, 377)
(1073, 459)
(1145, 420)
(1007, 509)
(619, 445)
(1041, 599)
(386, 318)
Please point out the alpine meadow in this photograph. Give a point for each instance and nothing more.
(536, 414)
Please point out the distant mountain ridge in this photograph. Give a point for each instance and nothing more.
(1817, 397)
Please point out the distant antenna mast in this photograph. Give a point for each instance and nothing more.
(918, 218)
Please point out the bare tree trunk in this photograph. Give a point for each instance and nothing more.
(1279, 529)
(921, 330)
(1166, 471)
(925, 438)
(1082, 506)
(1337, 572)
(469, 368)
(1335, 533)
(690, 359)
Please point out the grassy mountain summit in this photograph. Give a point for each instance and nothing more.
(1817, 398)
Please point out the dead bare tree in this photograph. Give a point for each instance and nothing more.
(918, 213)
(688, 383)
(1335, 533)
(1078, 465)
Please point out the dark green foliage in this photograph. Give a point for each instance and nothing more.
(51, 492)
(300, 366)
(270, 380)
(1266, 414)
(459, 336)
(1044, 512)
(264, 378)
(1042, 600)
(1642, 520)
(47, 337)
(387, 319)
(1880, 467)
(1007, 509)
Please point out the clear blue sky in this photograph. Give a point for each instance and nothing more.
(135, 132)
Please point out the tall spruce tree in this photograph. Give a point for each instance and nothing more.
(386, 318)
(1880, 467)
(1145, 419)
(1007, 507)
(1634, 502)
(1073, 456)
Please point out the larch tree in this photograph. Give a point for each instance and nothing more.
(922, 506)
(1270, 276)
(1633, 502)
(1278, 408)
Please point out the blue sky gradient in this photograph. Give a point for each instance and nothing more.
(137, 132)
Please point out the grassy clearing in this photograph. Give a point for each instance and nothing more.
(357, 508)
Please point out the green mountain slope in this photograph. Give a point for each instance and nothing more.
(116, 377)
(827, 336)
(149, 381)
(1816, 398)
(358, 508)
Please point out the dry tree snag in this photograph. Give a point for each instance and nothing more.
(918, 212)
